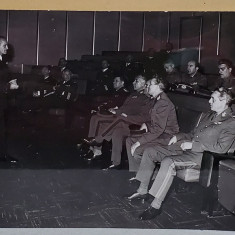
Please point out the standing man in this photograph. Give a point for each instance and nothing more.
(215, 132)
(5, 85)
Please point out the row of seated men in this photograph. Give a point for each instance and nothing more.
(160, 141)
(193, 81)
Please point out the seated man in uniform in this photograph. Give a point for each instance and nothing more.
(215, 132)
(173, 76)
(46, 83)
(160, 128)
(67, 92)
(103, 83)
(194, 78)
(135, 110)
(104, 116)
(129, 70)
(226, 78)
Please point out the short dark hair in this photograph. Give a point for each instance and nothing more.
(227, 62)
(2, 39)
(196, 63)
(121, 78)
(169, 62)
(142, 76)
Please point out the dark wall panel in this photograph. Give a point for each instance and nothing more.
(209, 42)
(156, 30)
(227, 39)
(106, 31)
(80, 31)
(175, 27)
(22, 36)
(190, 32)
(52, 32)
(3, 23)
(131, 31)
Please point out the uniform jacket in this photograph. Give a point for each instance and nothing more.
(129, 72)
(213, 133)
(68, 91)
(103, 80)
(226, 82)
(4, 85)
(137, 107)
(173, 78)
(198, 80)
(45, 86)
(163, 120)
(116, 99)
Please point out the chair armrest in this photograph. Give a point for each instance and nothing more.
(207, 164)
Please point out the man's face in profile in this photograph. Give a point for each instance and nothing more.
(3, 47)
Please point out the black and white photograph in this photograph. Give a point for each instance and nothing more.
(117, 120)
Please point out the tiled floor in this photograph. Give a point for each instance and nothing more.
(52, 187)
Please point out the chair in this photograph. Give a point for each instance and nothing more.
(209, 177)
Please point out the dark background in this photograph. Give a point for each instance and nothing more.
(42, 37)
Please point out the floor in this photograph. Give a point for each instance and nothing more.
(51, 186)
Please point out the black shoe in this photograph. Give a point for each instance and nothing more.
(92, 142)
(88, 155)
(113, 167)
(8, 158)
(137, 196)
(150, 213)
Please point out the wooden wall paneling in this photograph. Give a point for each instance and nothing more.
(80, 31)
(106, 31)
(131, 31)
(156, 29)
(209, 42)
(227, 36)
(22, 36)
(52, 32)
(3, 23)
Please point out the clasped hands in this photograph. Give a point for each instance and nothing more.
(184, 146)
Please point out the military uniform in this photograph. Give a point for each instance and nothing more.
(103, 117)
(67, 92)
(213, 133)
(198, 80)
(4, 79)
(161, 128)
(173, 78)
(43, 93)
(136, 107)
(129, 71)
(103, 83)
(225, 82)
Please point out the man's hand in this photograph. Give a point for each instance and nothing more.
(173, 140)
(144, 127)
(93, 111)
(112, 110)
(124, 115)
(13, 84)
(134, 146)
(186, 145)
